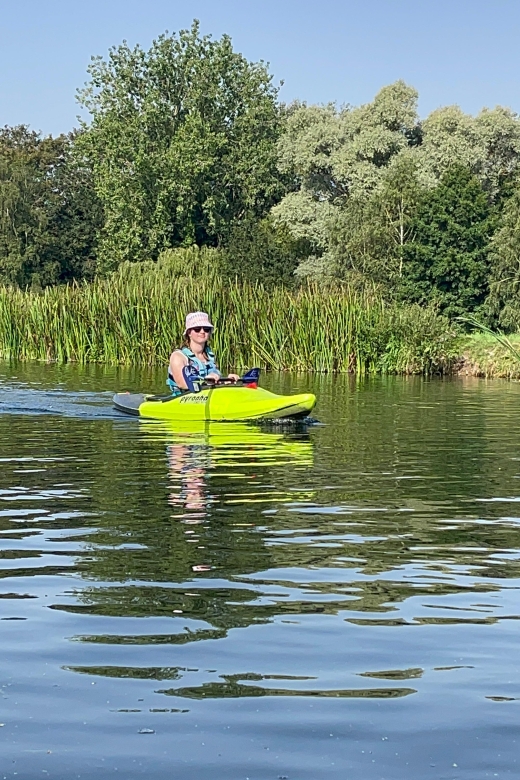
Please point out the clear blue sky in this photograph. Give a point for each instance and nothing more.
(452, 51)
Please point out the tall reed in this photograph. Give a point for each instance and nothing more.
(137, 317)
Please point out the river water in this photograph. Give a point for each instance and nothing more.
(238, 602)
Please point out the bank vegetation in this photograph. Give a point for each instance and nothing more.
(136, 316)
(351, 215)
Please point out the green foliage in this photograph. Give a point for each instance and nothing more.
(341, 164)
(262, 251)
(446, 264)
(188, 148)
(334, 154)
(137, 319)
(503, 303)
(182, 144)
(488, 145)
(369, 234)
(48, 210)
(181, 263)
(337, 158)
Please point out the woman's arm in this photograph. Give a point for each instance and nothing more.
(177, 362)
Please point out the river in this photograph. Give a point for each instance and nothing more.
(236, 602)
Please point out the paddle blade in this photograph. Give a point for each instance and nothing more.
(192, 378)
(251, 377)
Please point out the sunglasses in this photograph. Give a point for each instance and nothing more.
(200, 328)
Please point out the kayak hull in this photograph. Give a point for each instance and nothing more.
(226, 403)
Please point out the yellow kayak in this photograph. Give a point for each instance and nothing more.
(219, 403)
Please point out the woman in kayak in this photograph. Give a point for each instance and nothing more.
(196, 353)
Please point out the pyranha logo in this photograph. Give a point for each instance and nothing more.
(194, 399)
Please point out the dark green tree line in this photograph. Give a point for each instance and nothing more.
(446, 262)
(49, 213)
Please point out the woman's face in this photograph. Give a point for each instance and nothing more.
(199, 336)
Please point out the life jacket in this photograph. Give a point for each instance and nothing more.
(203, 369)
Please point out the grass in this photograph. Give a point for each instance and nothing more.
(484, 356)
(137, 316)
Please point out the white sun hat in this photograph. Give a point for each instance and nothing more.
(197, 319)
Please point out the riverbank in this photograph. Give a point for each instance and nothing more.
(137, 317)
(482, 355)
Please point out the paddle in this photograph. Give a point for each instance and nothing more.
(194, 382)
(192, 378)
(251, 377)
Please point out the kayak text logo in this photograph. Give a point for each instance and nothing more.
(194, 399)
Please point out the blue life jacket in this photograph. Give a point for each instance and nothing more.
(203, 369)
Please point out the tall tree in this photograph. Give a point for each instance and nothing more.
(333, 158)
(182, 143)
(368, 237)
(17, 219)
(488, 145)
(447, 261)
(49, 213)
(338, 164)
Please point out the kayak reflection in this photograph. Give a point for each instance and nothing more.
(292, 441)
(226, 454)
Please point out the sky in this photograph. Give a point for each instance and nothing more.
(452, 51)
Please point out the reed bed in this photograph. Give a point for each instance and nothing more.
(136, 318)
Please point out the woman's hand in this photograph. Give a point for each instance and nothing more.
(212, 376)
(233, 377)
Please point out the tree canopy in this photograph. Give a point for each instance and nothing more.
(49, 213)
(181, 143)
(187, 144)
(446, 262)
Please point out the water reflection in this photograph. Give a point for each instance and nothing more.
(213, 471)
(195, 449)
(188, 465)
(323, 603)
(198, 450)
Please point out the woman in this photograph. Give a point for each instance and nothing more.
(196, 353)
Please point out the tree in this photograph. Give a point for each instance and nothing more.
(263, 251)
(73, 216)
(19, 218)
(503, 303)
(182, 144)
(449, 138)
(488, 145)
(369, 235)
(333, 154)
(447, 261)
(332, 158)
(49, 214)
(499, 134)
(340, 164)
